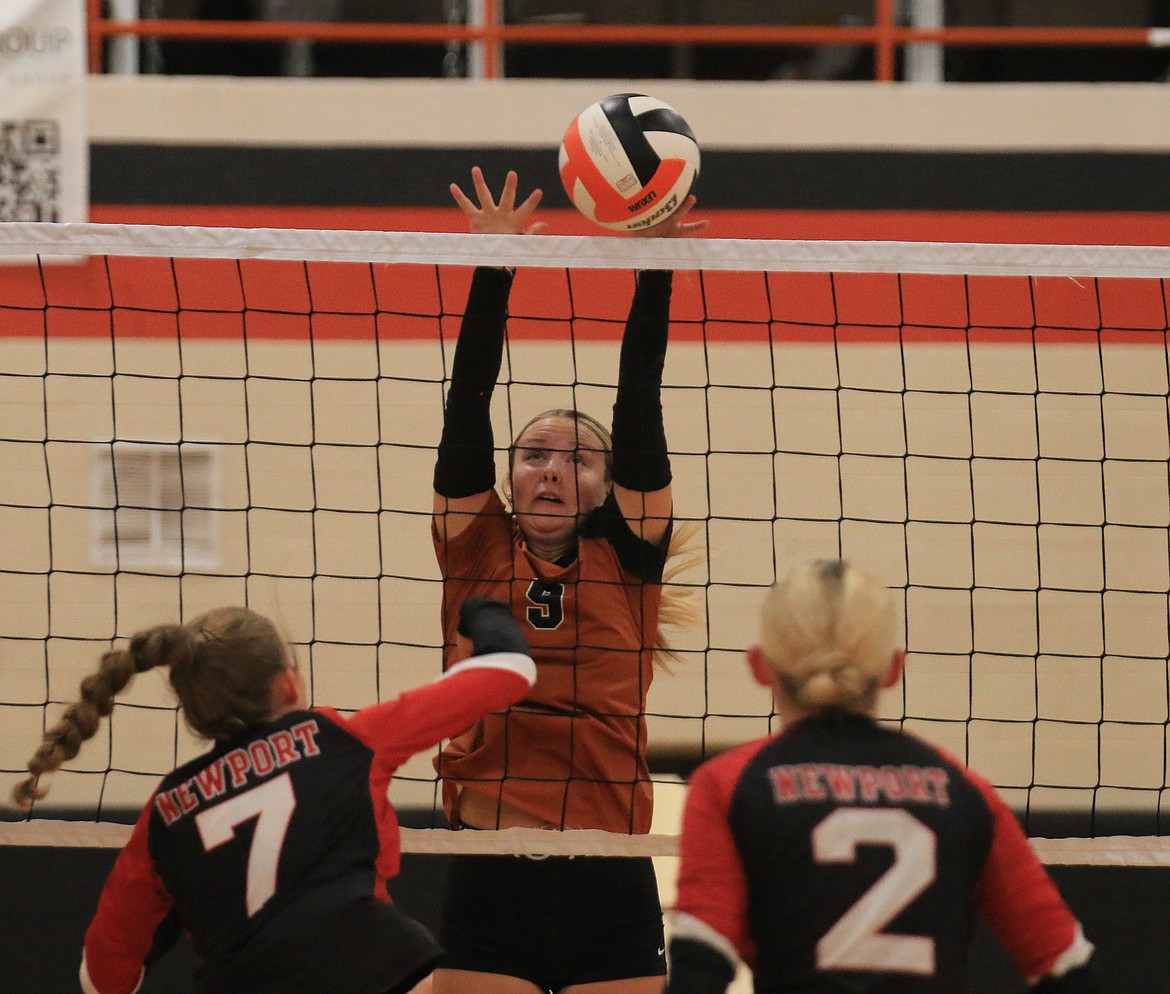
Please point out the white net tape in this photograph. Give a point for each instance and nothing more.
(23, 239)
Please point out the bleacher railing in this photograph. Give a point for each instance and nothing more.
(488, 32)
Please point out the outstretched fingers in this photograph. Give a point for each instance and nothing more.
(465, 205)
(676, 225)
(504, 217)
(681, 224)
(525, 211)
(508, 194)
(482, 193)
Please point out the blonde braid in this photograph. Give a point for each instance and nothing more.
(79, 722)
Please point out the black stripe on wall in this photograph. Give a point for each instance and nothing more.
(757, 180)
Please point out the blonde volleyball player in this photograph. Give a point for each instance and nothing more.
(577, 544)
(842, 854)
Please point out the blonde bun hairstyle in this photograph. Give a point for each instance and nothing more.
(829, 632)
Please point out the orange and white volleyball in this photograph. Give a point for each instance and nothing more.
(628, 161)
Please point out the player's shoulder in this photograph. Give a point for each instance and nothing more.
(941, 755)
(487, 536)
(607, 526)
(727, 767)
(977, 785)
(338, 727)
(332, 714)
(184, 772)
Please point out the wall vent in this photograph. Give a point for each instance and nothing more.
(155, 505)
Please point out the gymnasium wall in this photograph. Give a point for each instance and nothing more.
(1042, 163)
(325, 526)
(969, 162)
(1032, 163)
(1002, 162)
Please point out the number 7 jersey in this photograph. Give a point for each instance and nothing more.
(845, 853)
(289, 823)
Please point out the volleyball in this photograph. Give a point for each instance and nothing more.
(628, 161)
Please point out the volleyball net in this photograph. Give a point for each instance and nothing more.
(196, 417)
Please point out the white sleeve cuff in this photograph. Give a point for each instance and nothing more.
(1078, 953)
(88, 986)
(684, 926)
(516, 662)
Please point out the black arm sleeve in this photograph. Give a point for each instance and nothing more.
(465, 464)
(697, 968)
(640, 459)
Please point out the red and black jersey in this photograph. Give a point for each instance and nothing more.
(290, 822)
(844, 854)
(573, 752)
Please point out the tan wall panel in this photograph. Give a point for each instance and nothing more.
(349, 565)
(534, 113)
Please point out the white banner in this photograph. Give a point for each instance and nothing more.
(44, 140)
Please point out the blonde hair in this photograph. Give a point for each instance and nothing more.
(680, 606)
(829, 632)
(221, 667)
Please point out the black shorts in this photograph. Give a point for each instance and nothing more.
(555, 921)
(363, 946)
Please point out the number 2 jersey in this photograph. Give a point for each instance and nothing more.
(842, 854)
(267, 845)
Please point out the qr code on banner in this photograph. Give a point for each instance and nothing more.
(30, 170)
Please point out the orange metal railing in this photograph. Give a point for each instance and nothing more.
(884, 36)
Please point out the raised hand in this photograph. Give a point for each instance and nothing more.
(675, 226)
(503, 218)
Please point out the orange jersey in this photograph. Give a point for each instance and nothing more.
(572, 753)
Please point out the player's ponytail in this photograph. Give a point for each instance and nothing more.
(221, 666)
(80, 721)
